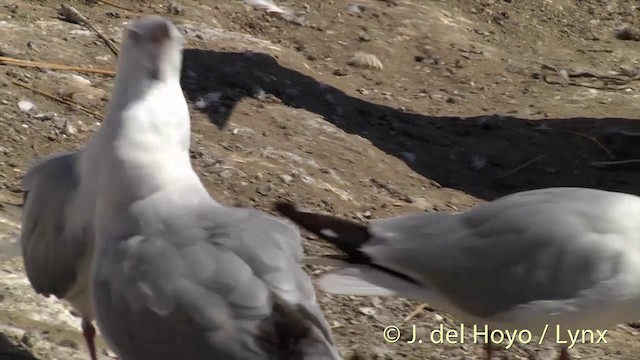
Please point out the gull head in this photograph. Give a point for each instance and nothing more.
(151, 49)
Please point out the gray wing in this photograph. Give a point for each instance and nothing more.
(226, 284)
(52, 245)
(537, 245)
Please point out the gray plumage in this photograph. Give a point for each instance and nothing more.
(57, 234)
(177, 275)
(220, 283)
(52, 250)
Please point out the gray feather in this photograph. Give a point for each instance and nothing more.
(539, 245)
(52, 247)
(220, 283)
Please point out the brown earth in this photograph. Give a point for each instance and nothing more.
(461, 104)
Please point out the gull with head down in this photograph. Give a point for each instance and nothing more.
(548, 259)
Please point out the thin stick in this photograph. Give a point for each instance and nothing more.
(631, 164)
(116, 5)
(590, 138)
(513, 171)
(25, 63)
(415, 312)
(595, 50)
(59, 99)
(69, 13)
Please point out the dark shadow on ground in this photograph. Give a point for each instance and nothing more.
(470, 154)
(10, 351)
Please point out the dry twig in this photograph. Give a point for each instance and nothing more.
(59, 99)
(24, 63)
(577, 133)
(419, 309)
(632, 164)
(515, 170)
(116, 5)
(597, 79)
(595, 50)
(70, 14)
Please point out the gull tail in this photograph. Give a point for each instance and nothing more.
(346, 235)
(357, 274)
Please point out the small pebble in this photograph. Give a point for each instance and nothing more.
(68, 343)
(365, 61)
(627, 33)
(45, 116)
(409, 156)
(286, 178)
(258, 93)
(108, 353)
(175, 9)
(26, 106)
(28, 339)
(478, 162)
(264, 190)
(340, 72)
(103, 60)
(4, 81)
(80, 80)
(369, 311)
(364, 37)
(12, 8)
(207, 100)
(225, 174)
(355, 9)
(69, 129)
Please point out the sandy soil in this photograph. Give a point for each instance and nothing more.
(467, 95)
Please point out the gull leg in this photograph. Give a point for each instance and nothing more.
(89, 333)
(488, 350)
(564, 354)
(415, 312)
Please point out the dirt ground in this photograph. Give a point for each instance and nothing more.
(462, 111)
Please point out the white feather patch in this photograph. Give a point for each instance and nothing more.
(361, 280)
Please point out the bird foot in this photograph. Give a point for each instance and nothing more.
(488, 351)
(89, 333)
(564, 354)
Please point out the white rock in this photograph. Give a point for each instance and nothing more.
(355, 9)
(369, 311)
(26, 106)
(409, 156)
(207, 99)
(286, 178)
(69, 129)
(76, 79)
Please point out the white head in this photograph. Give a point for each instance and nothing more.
(151, 50)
